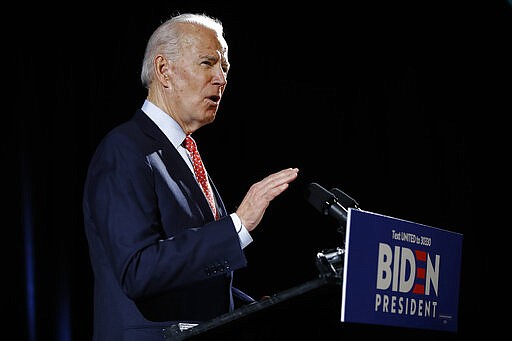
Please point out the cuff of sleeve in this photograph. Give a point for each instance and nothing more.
(243, 234)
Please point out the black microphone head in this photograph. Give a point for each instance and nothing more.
(344, 199)
(319, 197)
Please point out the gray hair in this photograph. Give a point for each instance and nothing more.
(166, 37)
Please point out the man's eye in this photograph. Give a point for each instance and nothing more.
(206, 62)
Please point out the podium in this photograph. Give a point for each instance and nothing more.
(306, 311)
(391, 277)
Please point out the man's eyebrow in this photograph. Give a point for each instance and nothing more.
(209, 57)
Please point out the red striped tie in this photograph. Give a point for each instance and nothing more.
(200, 173)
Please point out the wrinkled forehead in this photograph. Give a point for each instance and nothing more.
(197, 36)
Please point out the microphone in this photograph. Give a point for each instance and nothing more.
(326, 202)
(344, 199)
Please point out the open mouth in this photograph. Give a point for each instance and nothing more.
(214, 98)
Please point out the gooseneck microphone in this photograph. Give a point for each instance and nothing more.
(326, 202)
(344, 199)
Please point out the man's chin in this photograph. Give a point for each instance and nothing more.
(210, 117)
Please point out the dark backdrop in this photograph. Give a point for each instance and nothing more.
(396, 103)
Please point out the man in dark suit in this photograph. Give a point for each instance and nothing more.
(160, 254)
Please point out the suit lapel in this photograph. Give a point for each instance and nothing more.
(220, 205)
(176, 166)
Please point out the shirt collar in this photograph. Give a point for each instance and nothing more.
(165, 122)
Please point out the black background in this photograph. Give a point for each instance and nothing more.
(400, 104)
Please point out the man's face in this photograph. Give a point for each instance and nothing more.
(198, 77)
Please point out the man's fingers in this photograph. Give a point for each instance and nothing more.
(279, 178)
(260, 195)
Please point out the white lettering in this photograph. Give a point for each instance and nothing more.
(432, 275)
(384, 266)
(407, 258)
(413, 307)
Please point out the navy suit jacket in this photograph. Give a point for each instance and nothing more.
(157, 254)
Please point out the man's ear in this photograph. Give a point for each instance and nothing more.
(162, 70)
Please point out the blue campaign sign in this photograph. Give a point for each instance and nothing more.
(400, 273)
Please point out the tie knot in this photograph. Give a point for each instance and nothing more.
(190, 144)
